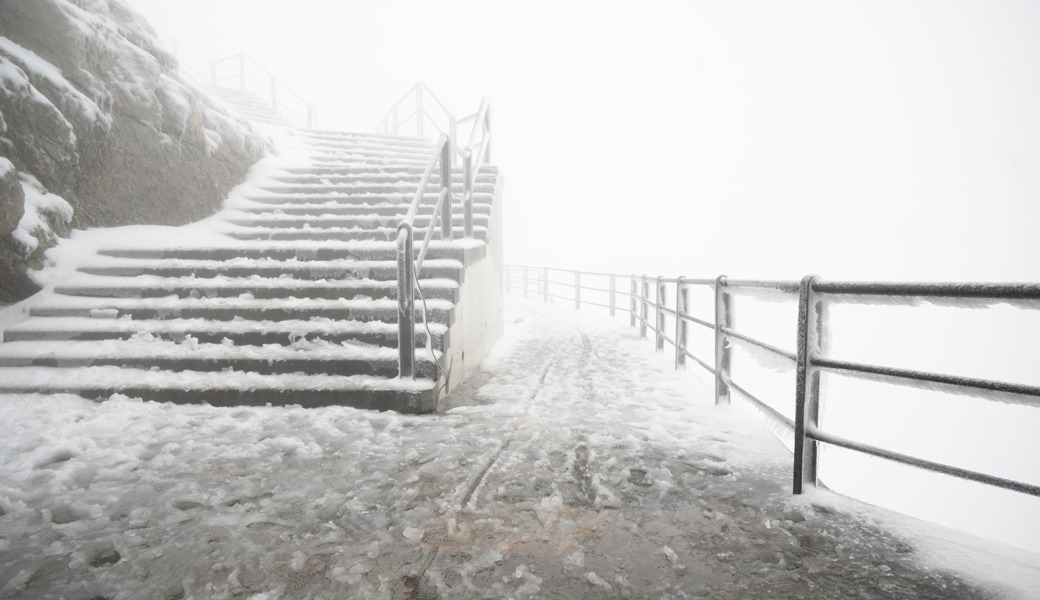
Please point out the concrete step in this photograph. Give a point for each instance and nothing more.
(398, 187)
(229, 309)
(226, 388)
(241, 332)
(351, 260)
(225, 287)
(332, 199)
(386, 138)
(349, 178)
(360, 210)
(378, 270)
(343, 234)
(269, 220)
(362, 169)
(145, 352)
(330, 159)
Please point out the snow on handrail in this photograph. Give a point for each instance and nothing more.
(808, 360)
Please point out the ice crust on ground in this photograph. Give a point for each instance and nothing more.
(576, 463)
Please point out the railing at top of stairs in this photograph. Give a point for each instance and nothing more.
(242, 72)
(474, 154)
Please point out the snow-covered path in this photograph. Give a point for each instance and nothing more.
(575, 464)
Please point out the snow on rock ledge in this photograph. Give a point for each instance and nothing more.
(91, 107)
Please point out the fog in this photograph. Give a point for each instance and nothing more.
(875, 140)
(853, 140)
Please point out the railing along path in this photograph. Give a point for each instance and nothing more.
(809, 359)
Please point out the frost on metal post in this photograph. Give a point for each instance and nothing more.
(723, 321)
(807, 386)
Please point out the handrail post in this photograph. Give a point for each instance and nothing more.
(467, 179)
(613, 291)
(807, 385)
(420, 113)
(644, 309)
(486, 130)
(274, 94)
(405, 302)
(659, 303)
(453, 130)
(447, 232)
(723, 321)
(545, 284)
(632, 302)
(577, 290)
(682, 304)
(242, 71)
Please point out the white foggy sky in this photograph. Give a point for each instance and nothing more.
(865, 140)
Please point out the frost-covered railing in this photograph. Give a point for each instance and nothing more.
(246, 74)
(652, 300)
(475, 153)
(408, 268)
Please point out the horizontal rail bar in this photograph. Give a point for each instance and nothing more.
(772, 412)
(700, 362)
(760, 344)
(1000, 482)
(946, 381)
(787, 287)
(992, 291)
(700, 322)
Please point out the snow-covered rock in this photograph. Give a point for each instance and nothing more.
(92, 108)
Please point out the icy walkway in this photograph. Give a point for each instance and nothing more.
(576, 464)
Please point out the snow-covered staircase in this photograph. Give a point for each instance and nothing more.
(288, 296)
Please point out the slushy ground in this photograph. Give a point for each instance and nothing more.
(575, 464)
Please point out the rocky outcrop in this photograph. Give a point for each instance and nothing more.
(92, 108)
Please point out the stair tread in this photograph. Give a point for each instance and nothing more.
(300, 327)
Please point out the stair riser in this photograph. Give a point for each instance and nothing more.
(373, 189)
(315, 234)
(396, 400)
(395, 212)
(388, 340)
(260, 293)
(364, 314)
(479, 220)
(309, 255)
(424, 367)
(388, 273)
(359, 199)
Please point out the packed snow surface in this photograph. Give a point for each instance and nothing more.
(575, 464)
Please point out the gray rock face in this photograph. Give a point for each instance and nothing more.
(91, 105)
(12, 200)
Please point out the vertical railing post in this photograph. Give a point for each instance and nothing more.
(644, 309)
(405, 302)
(467, 181)
(420, 112)
(486, 130)
(632, 302)
(242, 71)
(613, 292)
(453, 127)
(577, 290)
(447, 227)
(682, 305)
(545, 284)
(807, 386)
(722, 353)
(659, 302)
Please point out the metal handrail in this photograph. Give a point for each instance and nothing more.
(275, 88)
(408, 267)
(808, 360)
